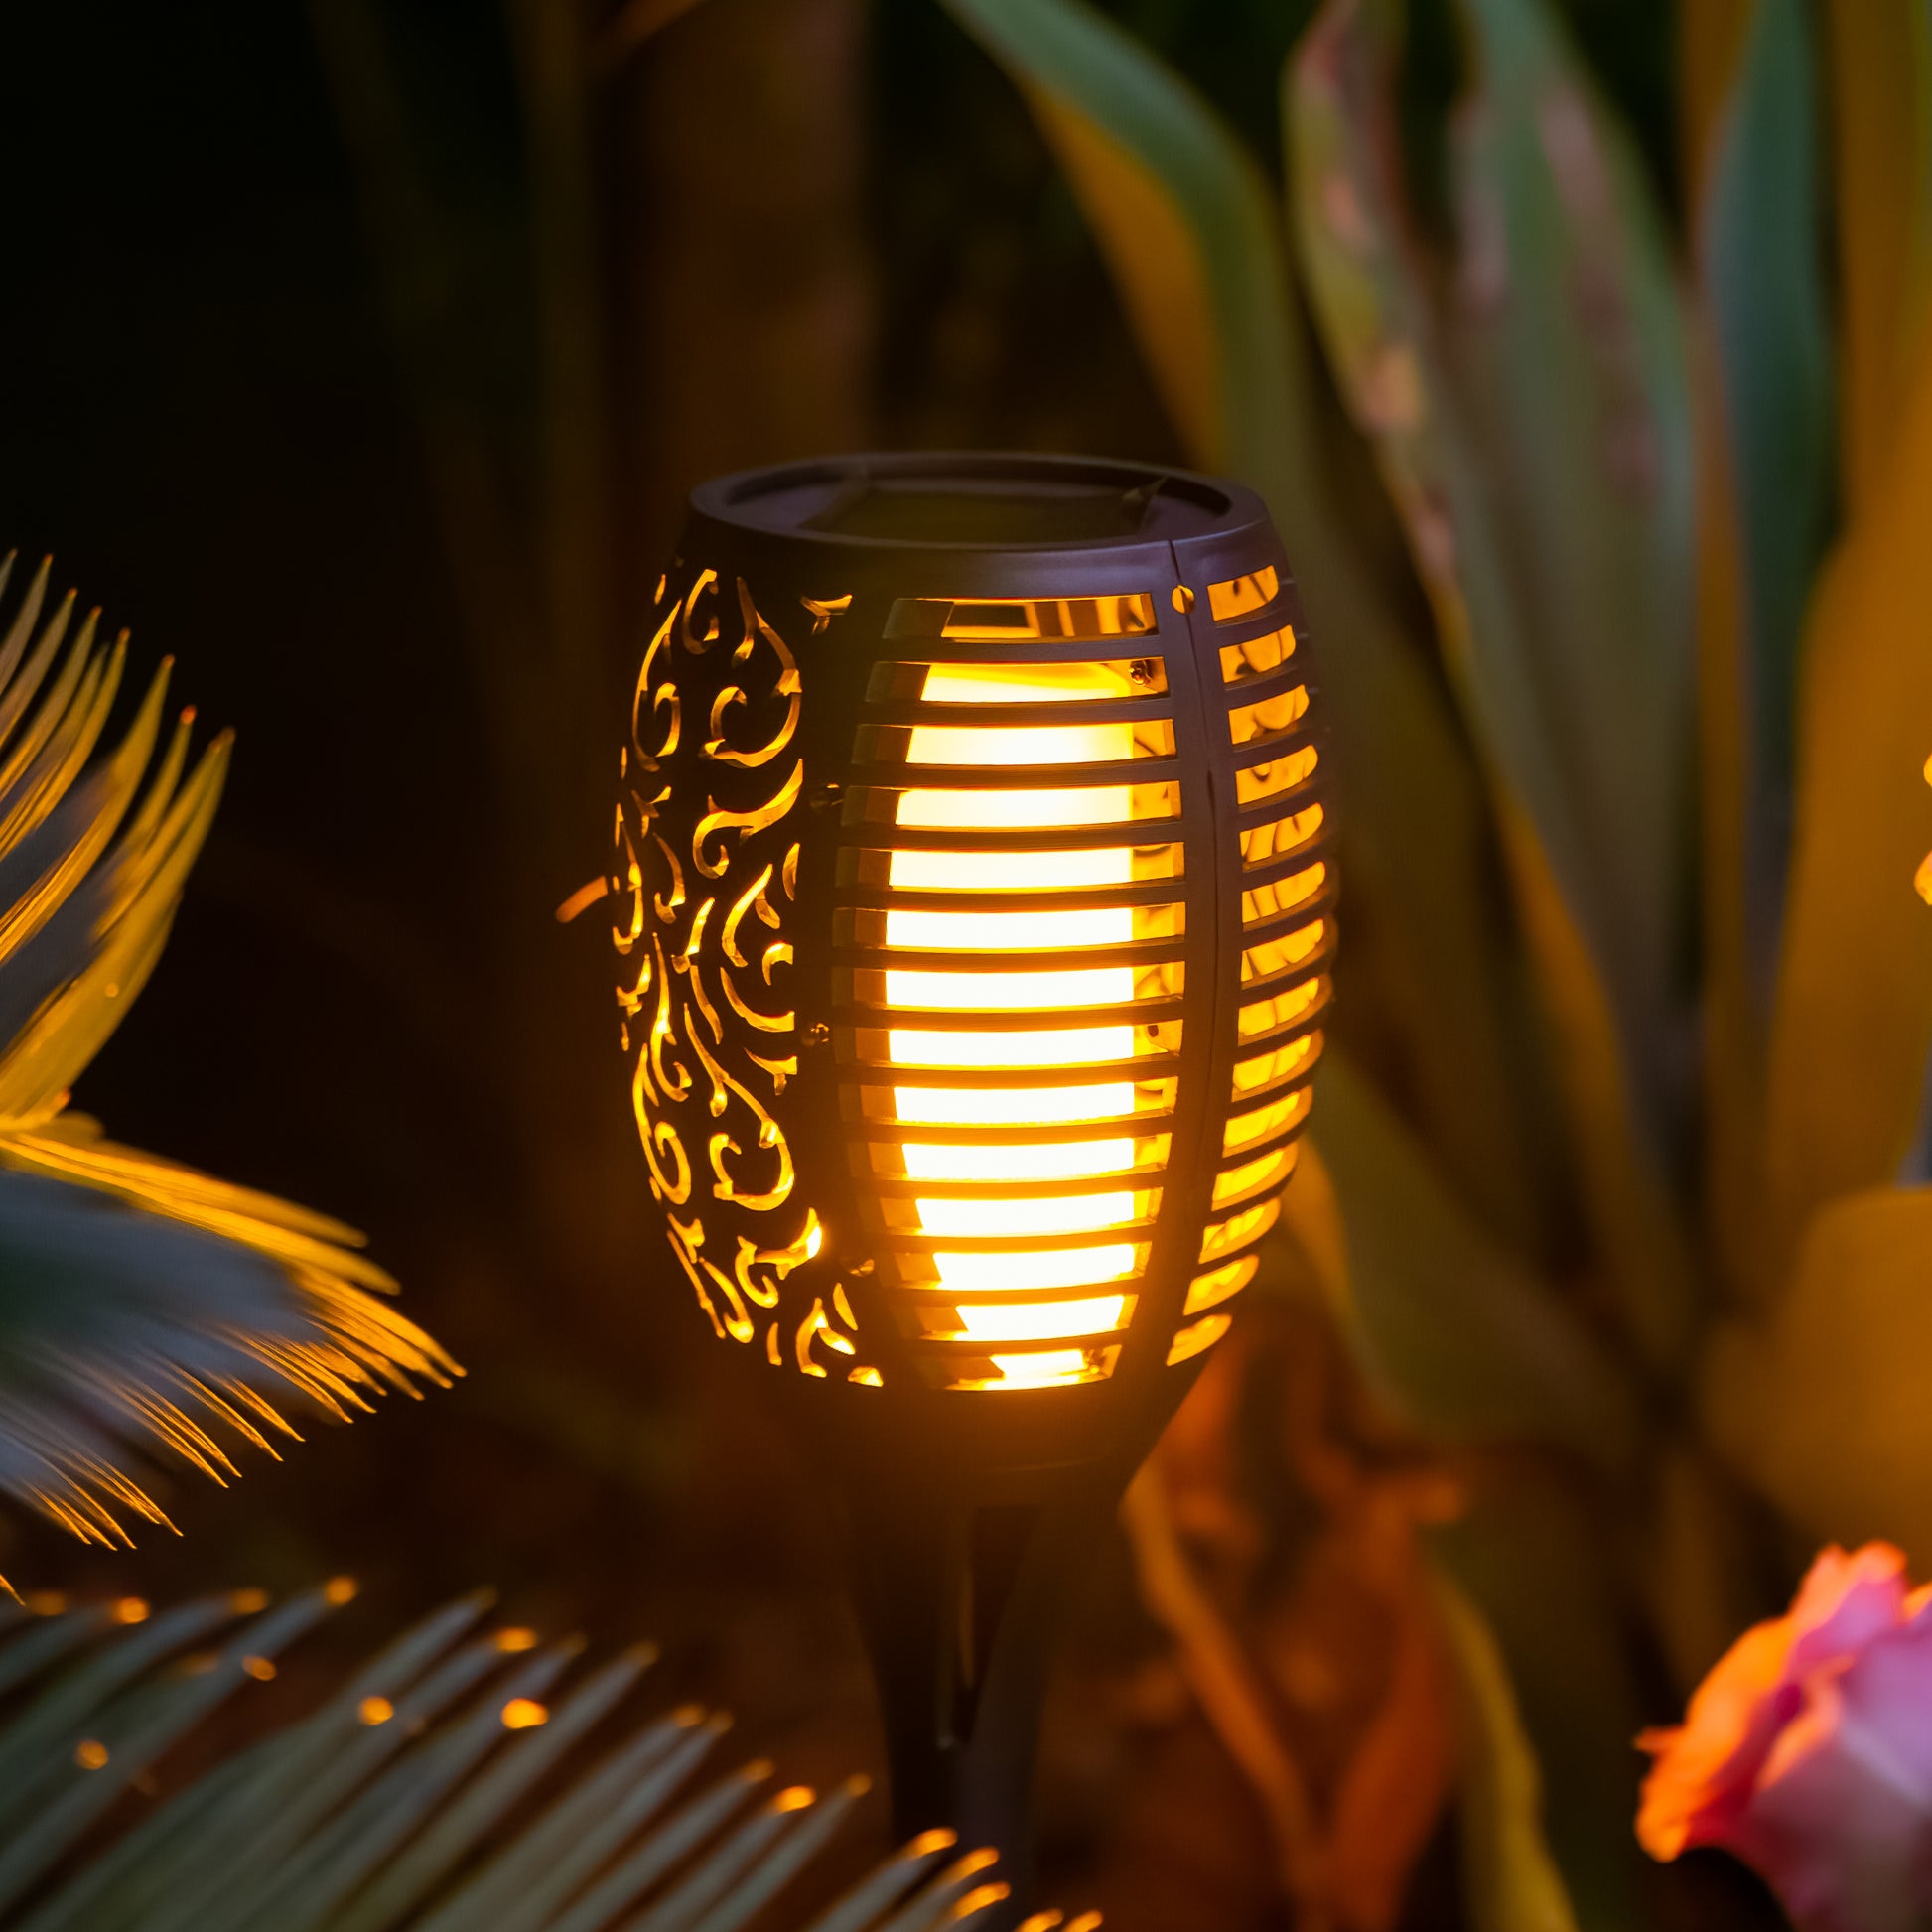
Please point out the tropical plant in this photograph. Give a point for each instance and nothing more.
(441, 1786)
(143, 1303)
(1619, 1155)
(140, 1302)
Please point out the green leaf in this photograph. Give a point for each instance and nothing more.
(402, 1798)
(1193, 236)
(1461, 1339)
(1510, 1882)
(137, 1296)
(1527, 409)
(1821, 1399)
(1766, 483)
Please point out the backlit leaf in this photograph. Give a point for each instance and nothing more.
(1460, 1339)
(1765, 489)
(1853, 1015)
(1510, 1881)
(401, 1801)
(141, 1300)
(1527, 410)
(1820, 1400)
(1194, 240)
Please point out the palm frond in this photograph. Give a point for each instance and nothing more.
(139, 1300)
(463, 1780)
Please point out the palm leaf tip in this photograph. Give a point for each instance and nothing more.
(140, 1302)
(406, 1798)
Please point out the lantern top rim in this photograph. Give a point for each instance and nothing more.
(977, 501)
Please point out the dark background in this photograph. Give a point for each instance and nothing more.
(257, 386)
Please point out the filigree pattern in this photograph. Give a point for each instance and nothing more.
(707, 866)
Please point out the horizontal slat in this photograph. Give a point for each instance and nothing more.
(1051, 899)
(1113, 775)
(1260, 751)
(1128, 1180)
(1065, 1074)
(1058, 959)
(1150, 1012)
(1157, 708)
(897, 1133)
(884, 835)
(909, 1243)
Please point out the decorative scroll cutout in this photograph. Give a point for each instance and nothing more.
(703, 881)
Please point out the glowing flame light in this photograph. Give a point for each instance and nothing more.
(1042, 986)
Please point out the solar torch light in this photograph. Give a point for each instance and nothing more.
(972, 893)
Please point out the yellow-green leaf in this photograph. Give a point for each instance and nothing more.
(1194, 240)
(1460, 1339)
(1854, 1016)
(1510, 1882)
(1765, 460)
(1822, 1400)
(1551, 546)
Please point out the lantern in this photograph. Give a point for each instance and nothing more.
(972, 893)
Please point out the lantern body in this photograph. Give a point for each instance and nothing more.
(973, 909)
(972, 896)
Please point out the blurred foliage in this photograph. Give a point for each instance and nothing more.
(448, 1784)
(1675, 604)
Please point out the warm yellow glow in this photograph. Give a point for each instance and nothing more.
(1258, 656)
(1012, 1106)
(1062, 806)
(1095, 985)
(1041, 1268)
(1050, 1368)
(1245, 1129)
(524, 1713)
(1041, 1321)
(1199, 1336)
(1248, 721)
(1108, 926)
(375, 1711)
(1271, 1015)
(1035, 745)
(1280, 836)
(1241, 597)
(1045, 1161)
(1035, 940)
(1049, 1215)
(1266, 1068)
(91, 1755)
(1232, 1182)
(1221, 1285)
(993, 872)
(1239, 1229)
(1023, 684)
(1253, 782)
(1048, 1046)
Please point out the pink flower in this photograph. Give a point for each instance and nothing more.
(1808, 1752)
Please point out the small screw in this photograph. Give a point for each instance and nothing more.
(1141, 671)
(818, 1033)
(1183, 598)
